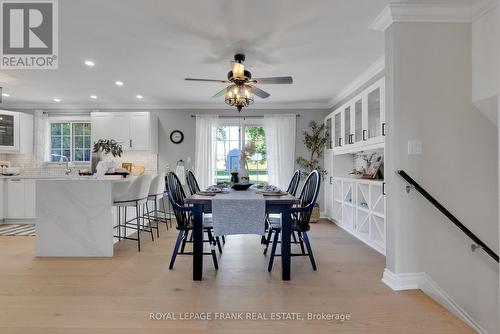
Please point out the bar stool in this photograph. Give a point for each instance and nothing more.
(135, 195)
(156, 193)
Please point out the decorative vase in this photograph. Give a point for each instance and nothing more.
(243, 171)
(96, 158)
(234, 177)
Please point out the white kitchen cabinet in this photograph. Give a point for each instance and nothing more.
(359, 208)
(143, 132)
(20, 198)
(359, 124)
(329, 141)
(16, 132)
(100, 126)
(15, 199)
(29, 198)
(135, 131)
(328, 205)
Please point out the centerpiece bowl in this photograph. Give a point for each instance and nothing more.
(241, 186)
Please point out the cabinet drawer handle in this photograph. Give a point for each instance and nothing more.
(351, 139)
(331, 180)
(364, 135)
(130, 143)
(383, 129)
(383, 188)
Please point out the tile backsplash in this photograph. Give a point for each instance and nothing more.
(360, 159)
(26, 162)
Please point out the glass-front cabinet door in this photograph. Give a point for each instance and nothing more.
(358, 120)
(338, 129)
(375, 110)
(9, 131)
(374, 113)
(348, 137)
(328, 125)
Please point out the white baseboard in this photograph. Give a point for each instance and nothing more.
(399, 282)
(422, 281)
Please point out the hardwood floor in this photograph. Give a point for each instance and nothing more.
(117, 295)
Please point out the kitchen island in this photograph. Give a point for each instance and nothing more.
(75, 216)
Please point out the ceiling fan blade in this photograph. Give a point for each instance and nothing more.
(207, 80)
(260, 93)
(222, 92)
(238, 70)
(273, 80)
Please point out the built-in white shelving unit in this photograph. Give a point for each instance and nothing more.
(359, 208)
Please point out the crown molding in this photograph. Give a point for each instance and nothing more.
(446, 12)
(369, 73)
(86, 108)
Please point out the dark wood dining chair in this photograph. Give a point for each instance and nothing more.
(301, 215)
(184, 220)
(294, 183)
(193, 189)
(192, 183)
(292, 190)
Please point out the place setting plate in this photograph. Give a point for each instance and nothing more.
(212, 191)
(271, 191)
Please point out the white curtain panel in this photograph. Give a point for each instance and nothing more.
(280, 141)
(42, 138)
(205, 149)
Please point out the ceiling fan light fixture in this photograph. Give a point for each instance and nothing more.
(239, 96)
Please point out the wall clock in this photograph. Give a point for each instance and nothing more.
(176, 136)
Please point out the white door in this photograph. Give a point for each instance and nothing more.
(15, 198)
(139, 131)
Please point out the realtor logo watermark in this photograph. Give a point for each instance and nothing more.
(29, 34)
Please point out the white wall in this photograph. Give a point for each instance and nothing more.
(181, 119)
(429, 94)
(485, 55)
(485, 62)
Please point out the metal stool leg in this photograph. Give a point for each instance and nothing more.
(138, 221)
(156, 218)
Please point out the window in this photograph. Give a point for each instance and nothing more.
(231, 139)
(71, 140)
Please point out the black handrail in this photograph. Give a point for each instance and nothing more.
(448, 214)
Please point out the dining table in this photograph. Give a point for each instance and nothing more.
(274, 205)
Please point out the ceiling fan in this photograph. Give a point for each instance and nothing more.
(239, 93)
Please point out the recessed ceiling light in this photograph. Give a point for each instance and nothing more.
(55, 99)
(89, 63)
(93, 97)
(139, 96)
(119, 83)
(5, 94)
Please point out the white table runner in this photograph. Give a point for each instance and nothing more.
(238, 212)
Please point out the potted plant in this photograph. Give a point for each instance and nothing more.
(315, 138)
(105, 146)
